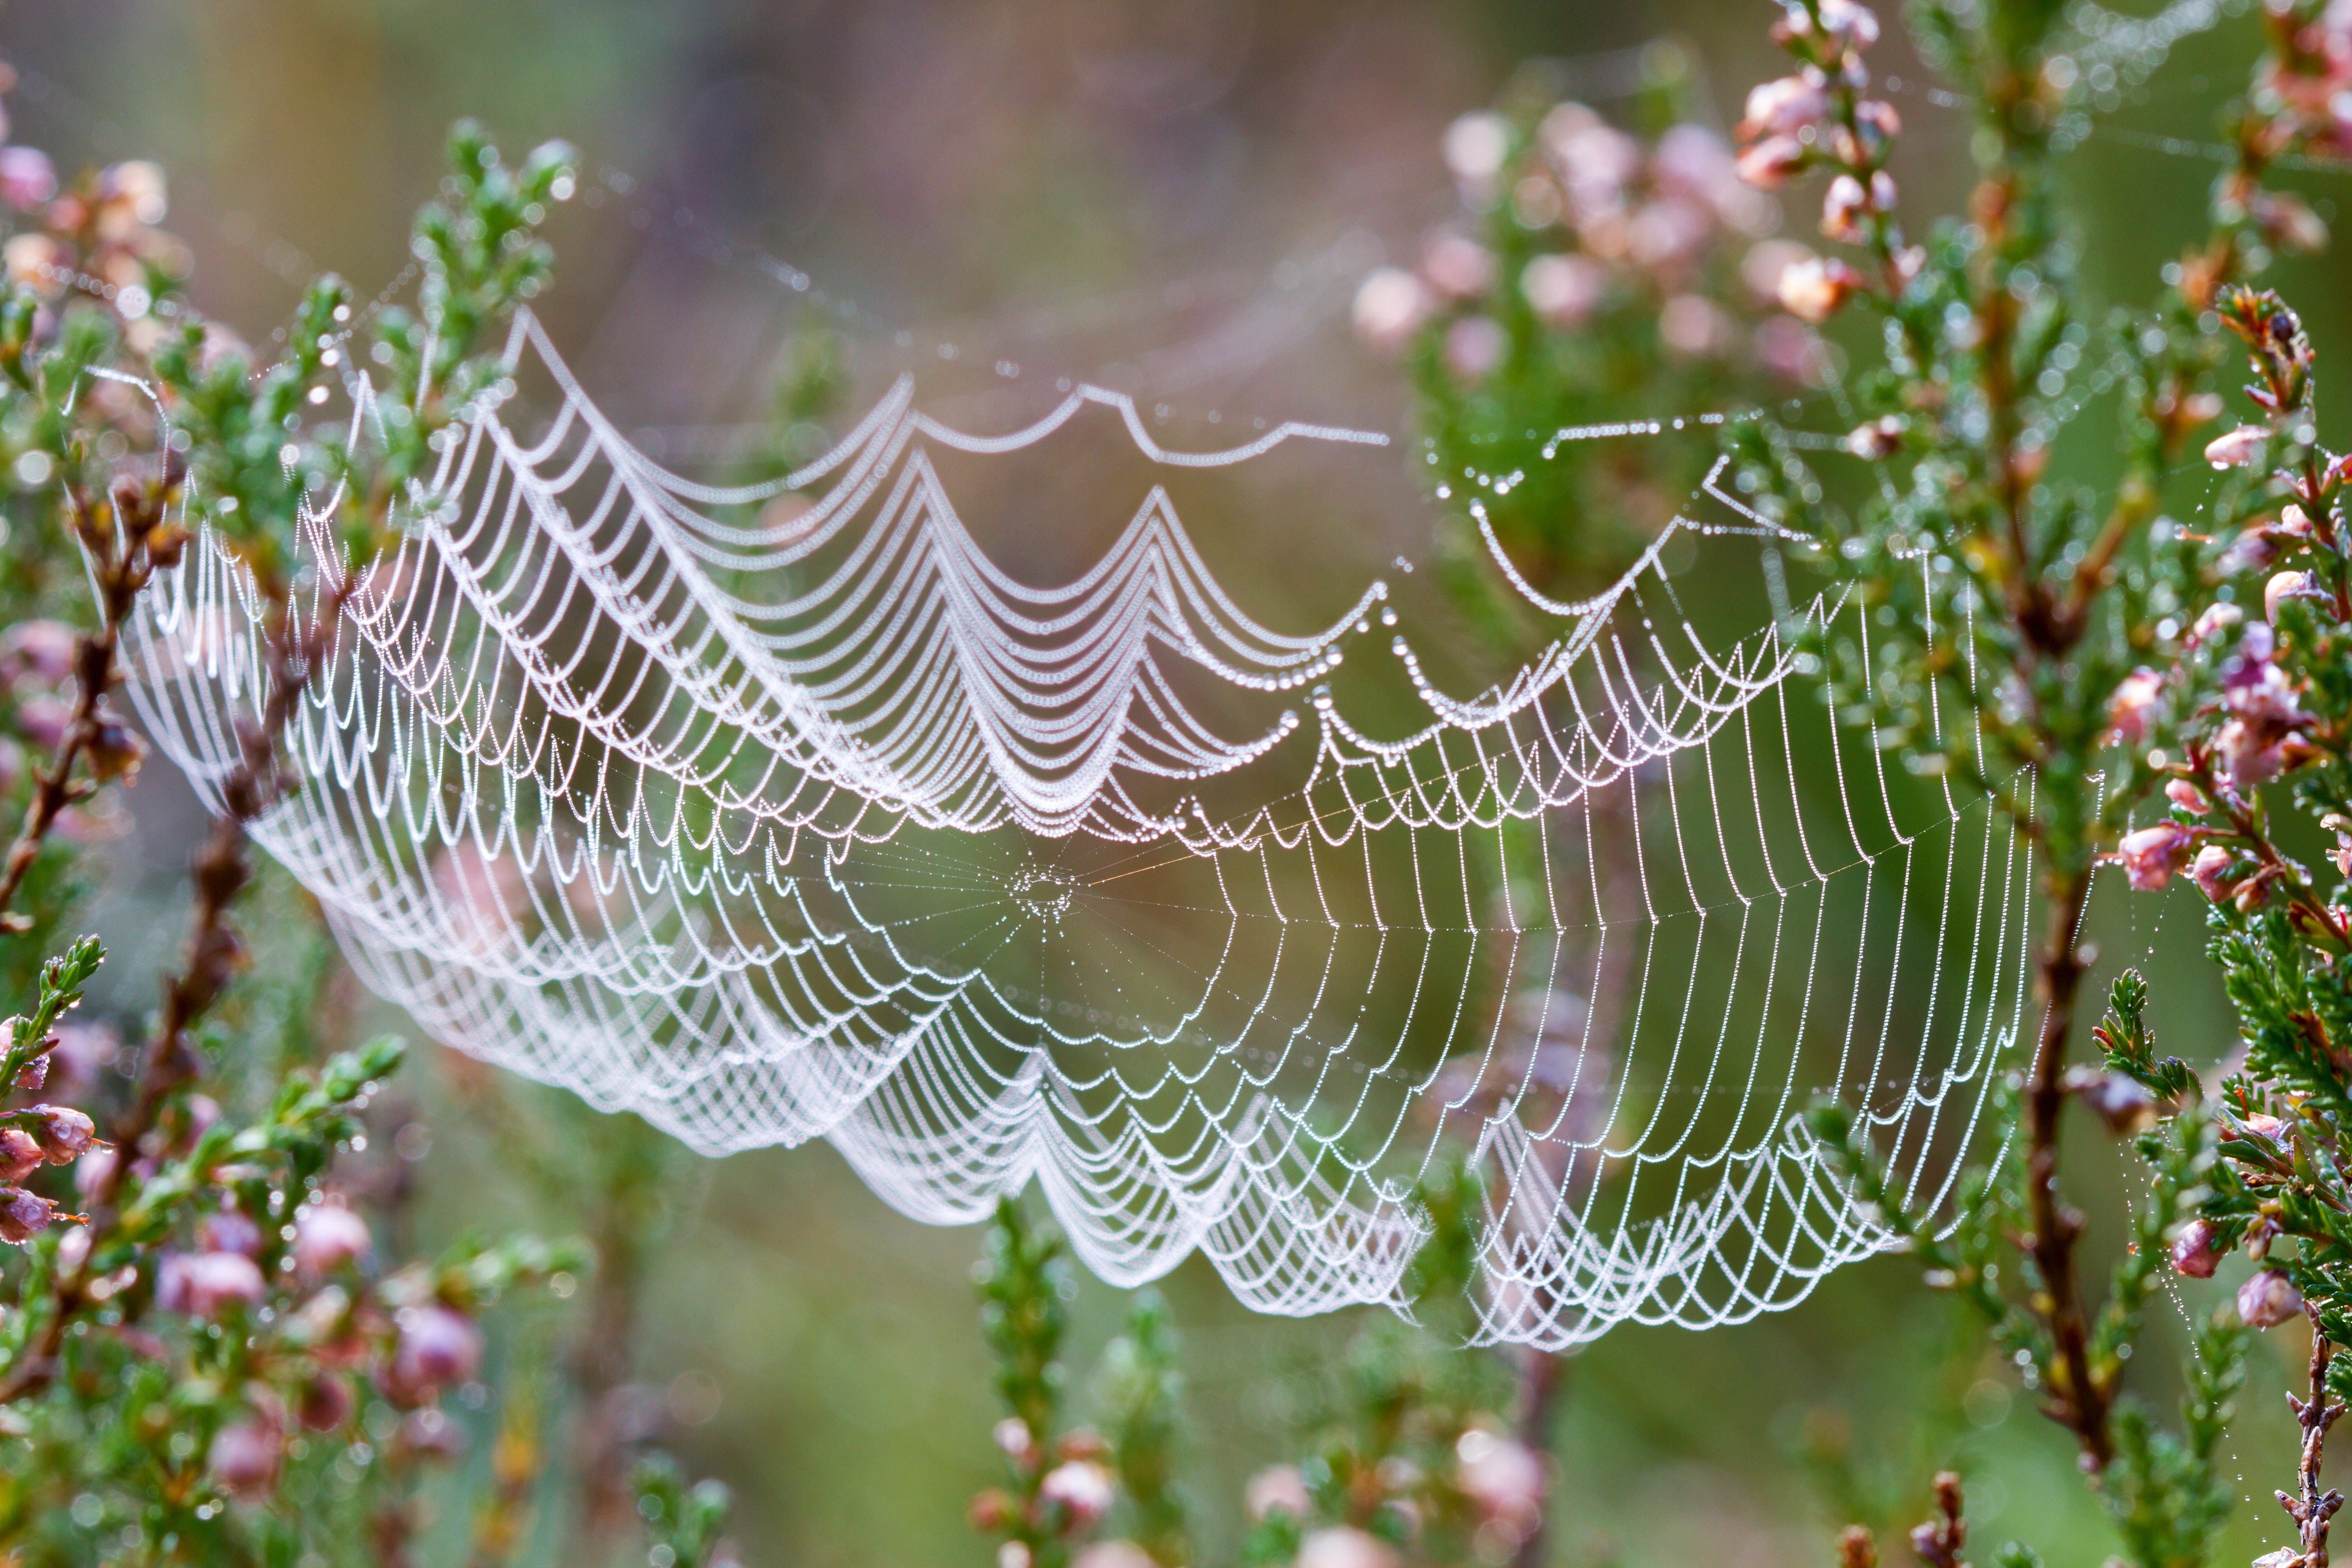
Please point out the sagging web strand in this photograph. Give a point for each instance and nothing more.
(773, 822)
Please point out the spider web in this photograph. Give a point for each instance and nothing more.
(776, 823)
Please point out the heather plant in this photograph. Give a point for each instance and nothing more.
(2039, 622)
(208, 1351)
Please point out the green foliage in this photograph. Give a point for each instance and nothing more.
(686, 1523)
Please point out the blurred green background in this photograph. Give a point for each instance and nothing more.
(1175, 198)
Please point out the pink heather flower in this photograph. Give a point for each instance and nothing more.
(2195, 1251)
(1772, 163)
(2212, 619)
(27, 178)
(1690, 325)
(2288, 586)
(43, 720)
(1390, 306)
(19, 1155)
(1082, 1486)
(1343, 1547)
(1667, 232)
(1499, 1476)
(228, 1230)
(2150, 855)
(2133, 701)
(1854, 26)
(2188, 797)
(2237, 449)
(1596, 161)
(1878, 438)
(64, 1133)
(1694, 163)
(324, 1403)
(437, 1346)
(23, 1215)
(2213, 871)
(42, 649)
(327, 1236)
(2120, 1100)
(1459, 268)
(1475, 147)
(1474, 346)
(1113, 1555)
(91, 1170)
(40, 261)
(1844, 207)
(1878, 120)
(244, 1457)
(204, 1284)
(2288, 222)
(2268, 1299)
(1562, 291)
(1277, 1489)
(1813, 289)
(1782, 107)
(1014, 1441)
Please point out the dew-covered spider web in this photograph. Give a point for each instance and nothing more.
(777, 823)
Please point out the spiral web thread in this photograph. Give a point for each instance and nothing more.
(820, 824)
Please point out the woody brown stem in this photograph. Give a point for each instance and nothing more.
(2076, 1398)
(119, 533)
(2313, 1508)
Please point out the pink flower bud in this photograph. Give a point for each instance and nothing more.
(1562, 291)
(228, 1230)
(1081, 1487)
(2133, 702)
(1813, 289)
(1772, 163)
(205, 1284)
(2194, 1250)
(2213, 871)
(2238, 448)
(1343, 1547)
(1277, 1489)
(1113, 1555)
(1475, 146)
(43, 722)
(1782, 107)
(43, 650)
(2120, 1100)
(1474, 347)
(64, 1133)
(1390, 306)
(35, 1074)
(19, 1155)
(437, 1346)
(2213, 619)
(1844, 206)
(2268, 1299)
(327, 1236)
(1500, 1477)
(324, 1403)
(2289, 585)
(27, 178)
(2150, 855)
(1459, 268)
(1877, 439)
(244, 1458)
(2188, 797)
(1013, 1441)
(23, 1215)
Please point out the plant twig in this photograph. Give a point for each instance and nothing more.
(2312, 1510)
